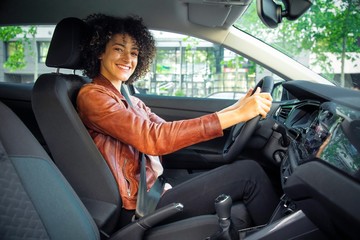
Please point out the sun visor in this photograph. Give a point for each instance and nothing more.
(215, 13)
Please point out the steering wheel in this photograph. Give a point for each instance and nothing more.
(241, 132)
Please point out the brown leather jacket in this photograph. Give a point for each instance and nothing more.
(121, 131)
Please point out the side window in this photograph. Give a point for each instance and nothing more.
(190, 67)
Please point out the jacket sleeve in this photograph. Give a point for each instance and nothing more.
(101, 112)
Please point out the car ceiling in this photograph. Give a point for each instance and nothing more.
(185, 16)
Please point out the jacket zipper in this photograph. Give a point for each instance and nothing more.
(126, 179)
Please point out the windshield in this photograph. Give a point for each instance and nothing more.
(325, 39)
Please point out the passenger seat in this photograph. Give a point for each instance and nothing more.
(36, 202)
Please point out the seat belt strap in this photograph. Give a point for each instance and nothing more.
(146, 200)
(125, 93)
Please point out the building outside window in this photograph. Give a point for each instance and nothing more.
(43, 48)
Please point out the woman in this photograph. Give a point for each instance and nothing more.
(119, 51)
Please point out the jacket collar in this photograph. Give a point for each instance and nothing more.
(103, 81)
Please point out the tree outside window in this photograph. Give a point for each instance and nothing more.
(15, 55)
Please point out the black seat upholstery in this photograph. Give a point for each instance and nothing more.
(78, 158)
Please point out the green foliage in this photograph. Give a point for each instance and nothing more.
(179, 93)
(240, 62)
(16, 59)
(327, 24)
(10, 32)
(191, 42)
(17, 39)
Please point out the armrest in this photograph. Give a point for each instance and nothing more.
(136, 229)
(99, 210)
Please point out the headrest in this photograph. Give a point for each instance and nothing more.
(64, 50)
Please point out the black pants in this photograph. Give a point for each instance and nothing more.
(245, 181)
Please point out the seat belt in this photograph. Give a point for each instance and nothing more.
(147, 200)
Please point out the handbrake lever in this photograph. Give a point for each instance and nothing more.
(159, 215)
(136, 229)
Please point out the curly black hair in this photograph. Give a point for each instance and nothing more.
(102, 28)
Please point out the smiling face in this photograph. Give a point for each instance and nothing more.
(120, 58)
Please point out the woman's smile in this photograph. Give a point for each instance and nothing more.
(123, 67)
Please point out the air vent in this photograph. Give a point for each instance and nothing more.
(283, 113)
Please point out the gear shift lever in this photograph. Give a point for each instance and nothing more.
(223, 205)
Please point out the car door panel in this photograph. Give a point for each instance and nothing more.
(203, 155)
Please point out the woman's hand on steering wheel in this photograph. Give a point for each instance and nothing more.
(239, 103)
(254, 104)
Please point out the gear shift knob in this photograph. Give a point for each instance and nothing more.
(223, 205)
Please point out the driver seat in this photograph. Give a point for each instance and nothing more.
(74, 152)
(70, 145)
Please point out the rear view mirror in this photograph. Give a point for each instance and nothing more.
(271, 13)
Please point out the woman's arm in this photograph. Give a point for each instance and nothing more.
(246, 108)
(103, 113)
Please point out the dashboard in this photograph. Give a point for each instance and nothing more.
(320, 167)
(323, 124)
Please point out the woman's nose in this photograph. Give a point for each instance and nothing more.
(126, 56)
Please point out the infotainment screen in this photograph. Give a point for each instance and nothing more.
(340, 152)
(319, 133)
(327, 140)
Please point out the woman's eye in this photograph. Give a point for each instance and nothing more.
(135, 54)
